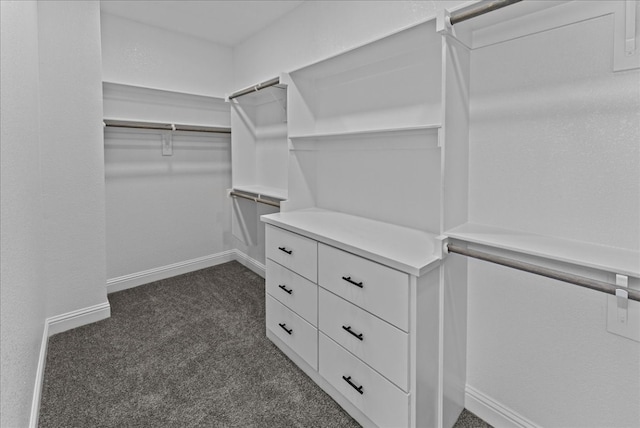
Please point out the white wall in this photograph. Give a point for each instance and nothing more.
(164, 211)
(319, 29)
(554, 151)
(53, 232)
(137, 54)
(72, 154)
(22, 295)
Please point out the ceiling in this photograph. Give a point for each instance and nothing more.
(226, 22)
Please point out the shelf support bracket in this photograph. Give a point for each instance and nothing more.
(623, 314)
(622, 297)
(630, 27)
(283, 105)
(167, 143)
(443, 23)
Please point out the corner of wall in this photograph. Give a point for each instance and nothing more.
(37, 389)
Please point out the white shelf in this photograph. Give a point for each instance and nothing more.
(406, 138)
(391, 82)
(137, 103)
(404, 42)
(610, 259)
(263, 96)
(409, 130)
(408, 250)
(270, 192)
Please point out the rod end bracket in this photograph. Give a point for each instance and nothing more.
(442, 249)
(623, 315)
(443, 23)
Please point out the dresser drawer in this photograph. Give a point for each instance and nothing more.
(292, 251)
(379, 399)
(295, 332)
(376, 342)
(378, 289)
(297, 293)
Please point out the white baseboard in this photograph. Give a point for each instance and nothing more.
(54, 325)
(139, 278)
(493, 412)
(78, 318)
(37, 389)
(250, 263)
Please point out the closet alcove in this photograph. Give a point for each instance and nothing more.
(352, 175)
(472, 135)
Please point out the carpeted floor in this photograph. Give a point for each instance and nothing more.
(188, 351)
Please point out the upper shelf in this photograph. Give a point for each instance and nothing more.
(393, 82)
(408, 250)
(141, 104)
(260, 190)
(410, 130)
(261, 93)
(610, 259)
(400, 44)
(412, 138)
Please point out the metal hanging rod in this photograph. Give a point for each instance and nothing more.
(255, 198)
(255, 88)
(165, 126)
(479, 9)
(593, 284)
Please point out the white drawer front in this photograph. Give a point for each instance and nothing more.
(376, 342)
(378, 289)
(292, 251)
(297, 293)
(380, 400)
(298, 334)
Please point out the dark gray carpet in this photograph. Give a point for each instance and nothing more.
(188, 351)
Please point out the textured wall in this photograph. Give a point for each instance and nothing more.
(143, 55)
(72, 153)
(165, 209)
(22, 296)
(554, 150)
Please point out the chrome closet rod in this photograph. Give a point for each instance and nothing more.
(255, 199)
(255, 88)
(165, 126)
(479, 9)
(582, 281)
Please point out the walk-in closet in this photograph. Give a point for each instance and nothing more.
(320, 213)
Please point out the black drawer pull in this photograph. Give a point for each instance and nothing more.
(358, 336)
(348, 279)
(288, 330)
(285, 250)
(353, 385)
(285, 289)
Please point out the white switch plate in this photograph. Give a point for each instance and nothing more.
(628, 326)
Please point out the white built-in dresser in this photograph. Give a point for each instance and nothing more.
(354, 302)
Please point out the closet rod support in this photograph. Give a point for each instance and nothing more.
(164, 126)
(257, 199)
(479, 9)
(581, 281)
(256, 88)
